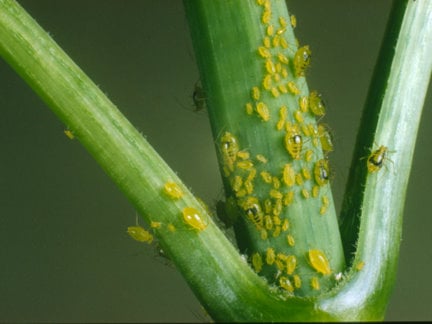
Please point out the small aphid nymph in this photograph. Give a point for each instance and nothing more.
(172, 190)
(140, 234)
(69, 134)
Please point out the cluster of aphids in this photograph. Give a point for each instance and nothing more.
(261, 193)
(190, 216)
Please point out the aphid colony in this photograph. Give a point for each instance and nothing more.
(245, 172)
(263, 191)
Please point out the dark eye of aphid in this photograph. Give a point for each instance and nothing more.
(323, 173)
(297, 139)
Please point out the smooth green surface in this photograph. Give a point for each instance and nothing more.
(91, 234)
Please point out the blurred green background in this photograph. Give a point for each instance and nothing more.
(64, 251)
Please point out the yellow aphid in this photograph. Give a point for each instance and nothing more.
(69, 134)
(276, 183)
(270, 30)
(244, 155)
(264, 52)
(299, 179)
(293, 20)
(255, 93)
(305, 193)
(276, 231)
(276, 77)
(315, 191)
(285, 225)
(376, 158)
(316, 104)
(263, 111)
(302, 59)
(298, 115)
(249, 108)
(319, 262)
(266, 177)
(282, 58)
(286, 284)
(282, 88)
(315, 283)
(277, 209)
(290, 240)
(291, 263)
(308, 155)
(140, 234)
(304, 104)
(270, 256)
(306, 173)
(261, 158)
(257, 262)
(325, 203)
(359, 266)
(288, 198)
(283, 43)
(279, 261)
(294, 143)
(154, 224)
(325, 137)
(297, 281)
(323, 209)
(282, 117)
(284, 73)
(321, 172)
(229, 148)
(194, 219)
(268, 206)
(253, 211)
(282, 22)
(270, 67)
(276, 194)
(266, 16)
(276, 220)
(268, 222)
(267, 82)
(275, 92)
(267, 42)
(249, 186)
(280, 31)
(293, 88)
(276, 40)
(251, 175)
(305, 130)
(171, 227)
(245, 164)
(236, 183)
(288, 175)
(173, 190)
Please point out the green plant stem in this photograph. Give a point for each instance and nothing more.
(228, 37)
(216, 272)
(375, 201)
(220, 277)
